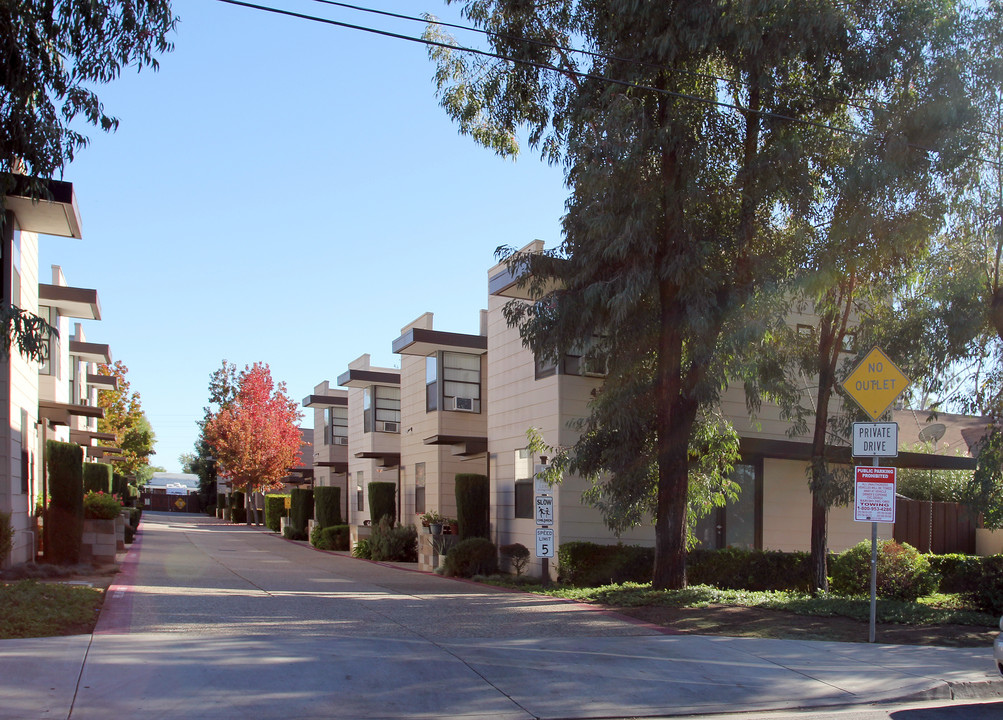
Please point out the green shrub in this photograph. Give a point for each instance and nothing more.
(101, 506)
(97, 477)
(517, 554)
(135, 514)
(332, 537)
(958, 573)
(473, 556)
(292, 533)
(301, 510)
(6, 536)
(473, 505)
(275, 510)
(238, 513)
(64, 521)
(220, 500)
(130, 534)
(382, 501)
(120, 486)
(740, 569)
(363, 550)
(903, 574)
(987, 595)
(394, 542)
(586, 564)
(327, 506)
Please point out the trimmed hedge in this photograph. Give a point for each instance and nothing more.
(517, 555)
(238, 513)
(120, 486)
(64, 524)
(275, 510)
(300, 512)
(382, 501)
(473, 505)
(97, 477)
(327, 506)
(586, 564)
(738, 569)
(473, 556)
(979, 580)
(332, 537)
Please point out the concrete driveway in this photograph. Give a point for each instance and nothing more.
(210, 620)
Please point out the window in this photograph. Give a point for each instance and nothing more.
(50, 366)
(431, 383)
(336, 425)
(738, 524)
(387, 401)
(850, 342)
(74, 379)
(419, 487)
(544, 368)
(358, 490)
(523, 499)
(461, 381)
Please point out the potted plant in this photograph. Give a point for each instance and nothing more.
(431, 518)
(450, 526)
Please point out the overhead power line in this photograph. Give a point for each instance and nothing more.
(562, 71)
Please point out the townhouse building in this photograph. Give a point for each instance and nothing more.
(443, 413)
(374, 422)
(329, 452)
(54, 399)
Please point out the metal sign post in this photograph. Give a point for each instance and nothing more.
(544, 504)
(874, 385)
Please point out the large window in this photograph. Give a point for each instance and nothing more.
(336, 425)
(523, 493)
(360, 492)
(738, 524)
(381, 409)
(461, 381)
(50, 366)
(419, 487)
(431, 383)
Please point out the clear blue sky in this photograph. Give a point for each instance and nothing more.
(285, 192)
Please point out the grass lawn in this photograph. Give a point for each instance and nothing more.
(36, 609)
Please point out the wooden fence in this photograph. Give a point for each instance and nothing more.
(953, 526)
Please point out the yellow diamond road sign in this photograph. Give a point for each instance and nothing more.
(179, 504)
(875, 383)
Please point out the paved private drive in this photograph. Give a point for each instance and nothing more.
(211, 620)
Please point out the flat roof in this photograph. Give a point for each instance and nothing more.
(71, 301)
(424, 342)
(324, 400)
(365, 378)
(58, 216)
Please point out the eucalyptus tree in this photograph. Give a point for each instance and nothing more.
(880, 202)
(693, 137)
(54, 54)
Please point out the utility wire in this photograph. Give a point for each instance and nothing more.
(576, 73)
(432, 20)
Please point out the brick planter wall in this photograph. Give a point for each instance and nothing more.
(99, 542)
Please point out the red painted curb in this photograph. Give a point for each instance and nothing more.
(116, 613)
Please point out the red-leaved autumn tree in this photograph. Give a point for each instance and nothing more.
(256, 437)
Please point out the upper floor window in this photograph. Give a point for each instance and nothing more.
(50, 366)
(461, 381)
(336, 425)
(381, 409)
(431, 383)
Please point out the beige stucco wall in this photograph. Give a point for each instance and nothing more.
(21, 393)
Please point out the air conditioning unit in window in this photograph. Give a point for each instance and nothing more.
(340, 440)
(387, 426)
(463, 404)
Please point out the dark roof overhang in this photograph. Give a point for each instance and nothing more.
(365, 378)
(423, 342)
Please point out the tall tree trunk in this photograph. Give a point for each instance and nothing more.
(675, 416)
(827, 354)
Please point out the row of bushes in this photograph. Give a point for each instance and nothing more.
(903, 572)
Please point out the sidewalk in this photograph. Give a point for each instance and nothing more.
(361, 646)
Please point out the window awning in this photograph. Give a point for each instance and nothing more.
(57, 413)
(59, 216)
(71, 301)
